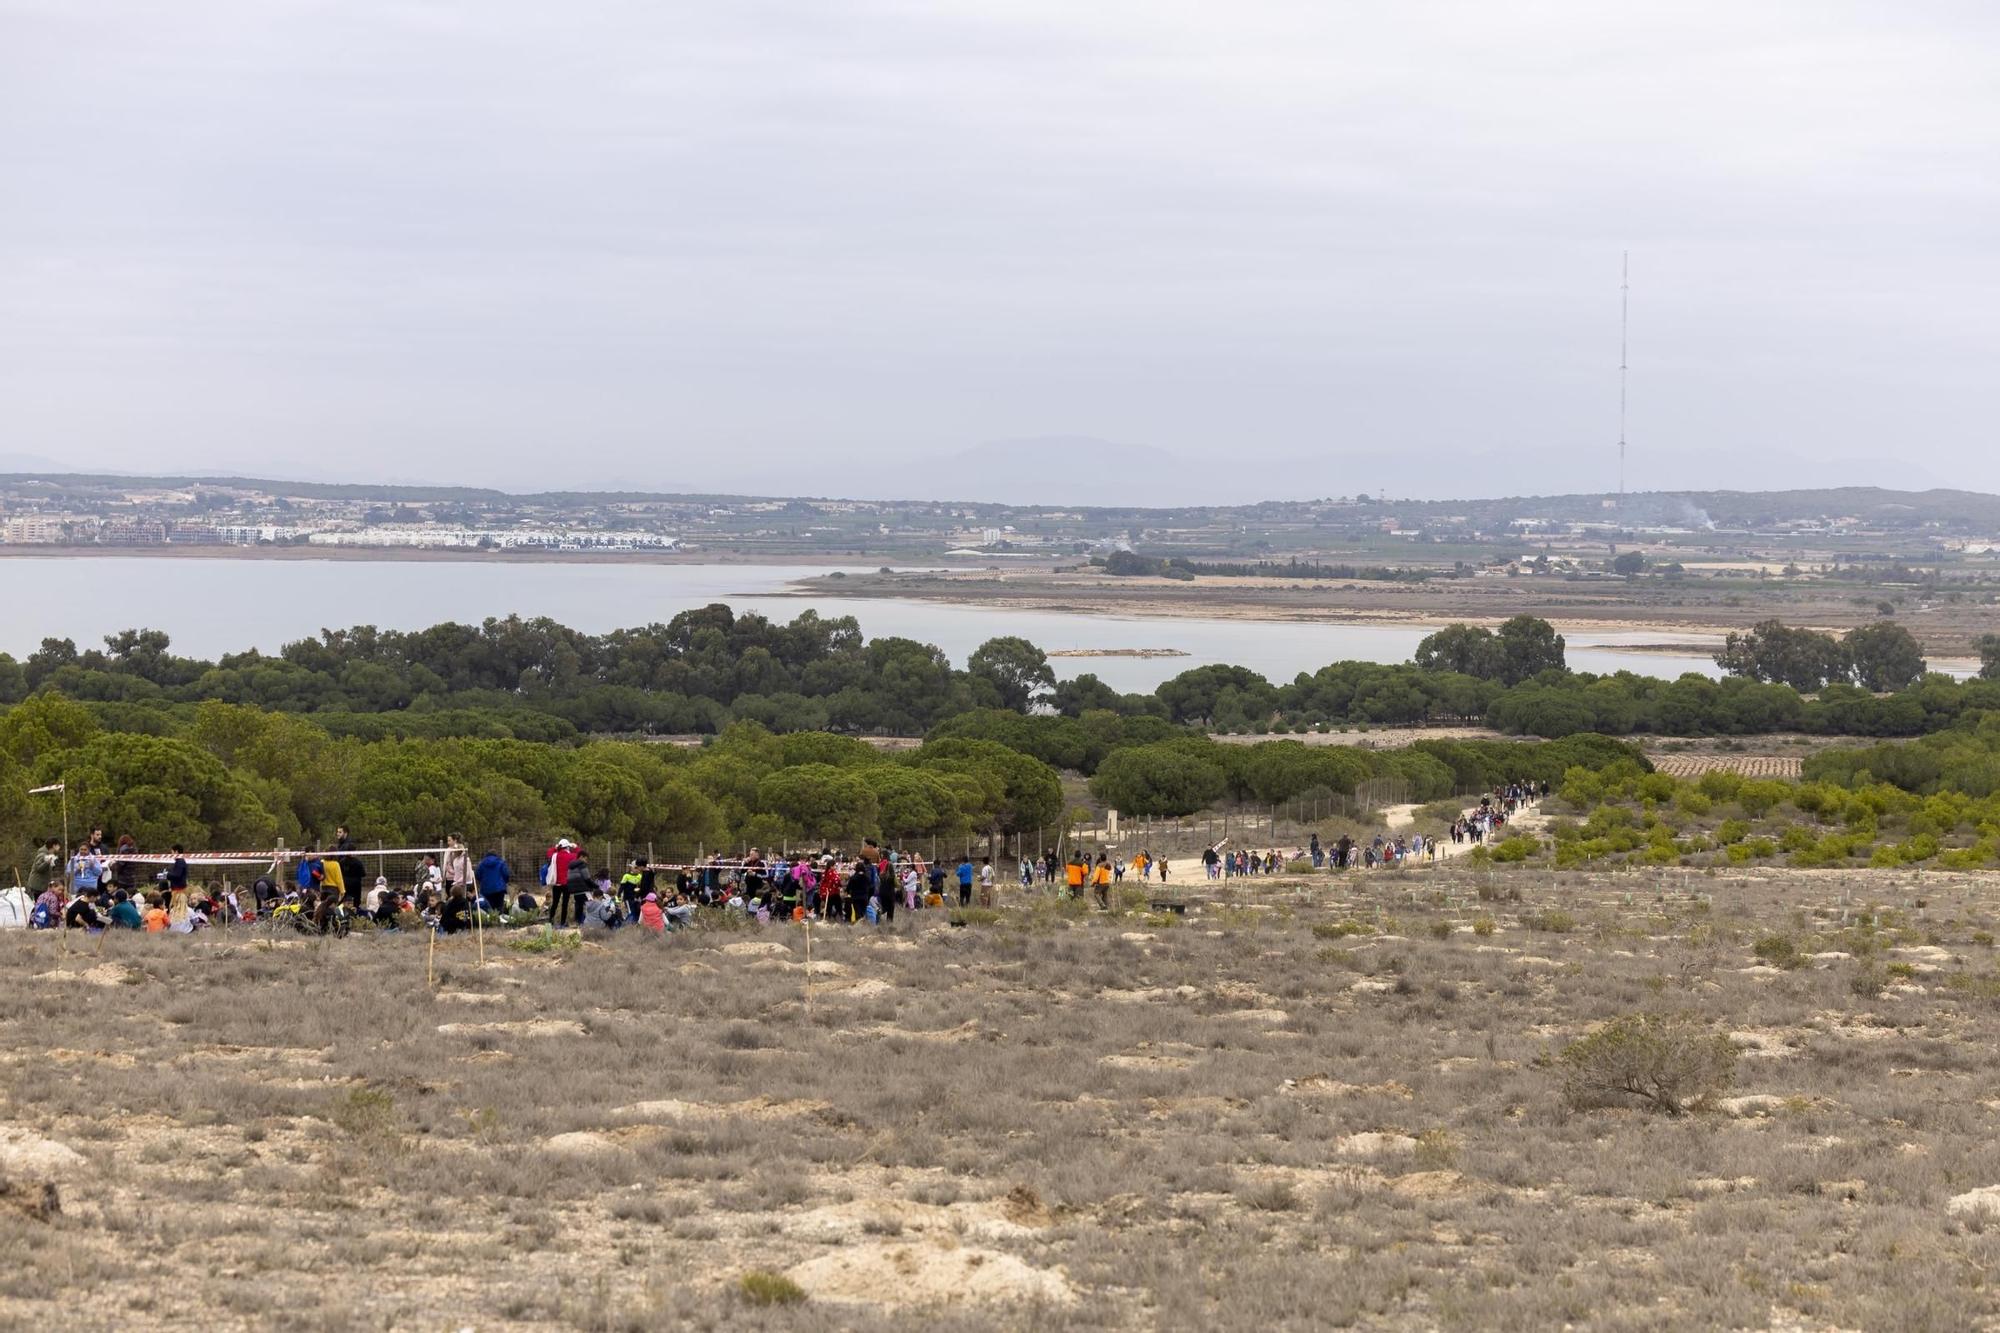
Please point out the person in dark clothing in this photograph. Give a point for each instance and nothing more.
(177, 872)
(457, 914)
(568, 896)
(83, 914)
(860, 888)
(885, 893)
(125, 874)
(492, 875)
(351, 873)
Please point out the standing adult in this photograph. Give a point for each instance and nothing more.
(124, 871)
(351, 873)
(555, 865)
(457, 863)
(46, 868)
(571, 894)
(965, 881)
(86, 868)
(492, 875)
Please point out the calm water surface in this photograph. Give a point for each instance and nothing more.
(214, 606)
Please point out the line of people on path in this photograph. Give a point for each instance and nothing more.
(823, 886)
(111, 886)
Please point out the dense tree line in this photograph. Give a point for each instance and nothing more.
(535, 680)
(1186, 773)
(1878, 657)
(237, 776)
(696, 673)
(1964, 758)
(231, 775)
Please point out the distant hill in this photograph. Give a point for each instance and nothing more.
(1118, 481)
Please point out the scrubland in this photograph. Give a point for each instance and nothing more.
(1310, 1103)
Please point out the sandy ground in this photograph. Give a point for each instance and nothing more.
(1309, 1102)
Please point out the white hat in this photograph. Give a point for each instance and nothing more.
(564, 842)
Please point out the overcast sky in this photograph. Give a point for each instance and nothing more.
(832, 245)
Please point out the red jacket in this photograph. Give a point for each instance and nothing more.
(562, 856)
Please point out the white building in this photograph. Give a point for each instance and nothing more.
(34, 530)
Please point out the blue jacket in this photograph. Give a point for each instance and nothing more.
(491, 875)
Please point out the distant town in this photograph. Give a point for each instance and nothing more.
(1578, 536)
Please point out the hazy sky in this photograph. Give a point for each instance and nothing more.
(830, 245)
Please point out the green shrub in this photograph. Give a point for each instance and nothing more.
(1553, 919)
(1666, 1062)
(548, 940)
(1779, 951)
(760, 1286)
(1340, 930)
(1482, 926)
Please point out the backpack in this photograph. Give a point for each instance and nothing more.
(41, 918)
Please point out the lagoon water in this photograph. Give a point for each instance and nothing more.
(215, 606)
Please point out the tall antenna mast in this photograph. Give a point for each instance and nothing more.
(1624, 326)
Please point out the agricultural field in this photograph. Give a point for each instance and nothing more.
(1384, 1101)
(1743, 765)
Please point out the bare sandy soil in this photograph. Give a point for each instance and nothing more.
(1329, 1104)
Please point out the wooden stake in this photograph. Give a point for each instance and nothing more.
(430, 964)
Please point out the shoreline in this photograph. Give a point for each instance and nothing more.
(423, 556)
(1670, 631)
(868, 587)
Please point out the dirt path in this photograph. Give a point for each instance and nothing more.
(1531, 820)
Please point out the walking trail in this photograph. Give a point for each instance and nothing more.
(1403, 816)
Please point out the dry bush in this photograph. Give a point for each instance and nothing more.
(1666, 1062)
